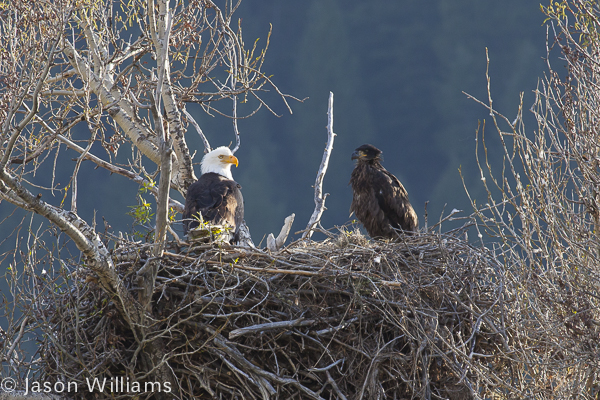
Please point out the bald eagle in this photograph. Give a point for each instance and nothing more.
(379, 201)
(216, 196)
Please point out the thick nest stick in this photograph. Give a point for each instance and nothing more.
(424, 317)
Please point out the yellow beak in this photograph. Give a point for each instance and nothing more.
(231, 160)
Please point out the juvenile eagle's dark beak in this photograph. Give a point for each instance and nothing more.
(356, 155)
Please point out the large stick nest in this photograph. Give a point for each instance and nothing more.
(422, 317)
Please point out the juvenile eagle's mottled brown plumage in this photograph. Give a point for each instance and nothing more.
(379, 201)
(216, 196)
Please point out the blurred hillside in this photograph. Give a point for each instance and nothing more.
(397, 70)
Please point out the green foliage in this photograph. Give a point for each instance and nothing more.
(585, 27)
(142, 212)
(555, 10)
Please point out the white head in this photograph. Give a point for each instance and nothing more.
(219, 161)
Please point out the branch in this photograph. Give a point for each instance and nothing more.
(147, 274)
(191, 119)
(335, 386)
(268, 270)
(78, 165)
(166, 165)
(233, 76)
(17, 340)
(271, 326)
(162, 200)
(319, 197)
(275, 244)
(223, 345)
(110, 167)
(163, 68)
(183, 170)
(118, 170)
(34, 108)
(118, 108)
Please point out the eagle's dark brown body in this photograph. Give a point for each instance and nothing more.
(218, 199)
(379, 201)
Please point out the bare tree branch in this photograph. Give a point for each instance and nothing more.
(191, 119)
(77, 166)
(117, 170)
(119, 110)
(16, 131)
(319, 196)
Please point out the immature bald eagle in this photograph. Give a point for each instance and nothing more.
(379, 201)
(216, 196)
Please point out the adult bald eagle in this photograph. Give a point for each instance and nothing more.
(216, 196)
(379, 201)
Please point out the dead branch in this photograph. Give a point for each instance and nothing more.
(319, 196)
(276, 244)
(271, 326)
(191, 119)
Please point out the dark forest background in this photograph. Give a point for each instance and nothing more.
(397, 70)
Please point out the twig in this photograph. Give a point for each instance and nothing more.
(112, 168)
(327, 368)
(233, 77)
(235, 354)
(207, 147)
(17, 339)
(78, 165)
(373, 360)
(34, 108)
(268, 270)
(335, 386)
(271, 326)
(319, 197)
(336, 328)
